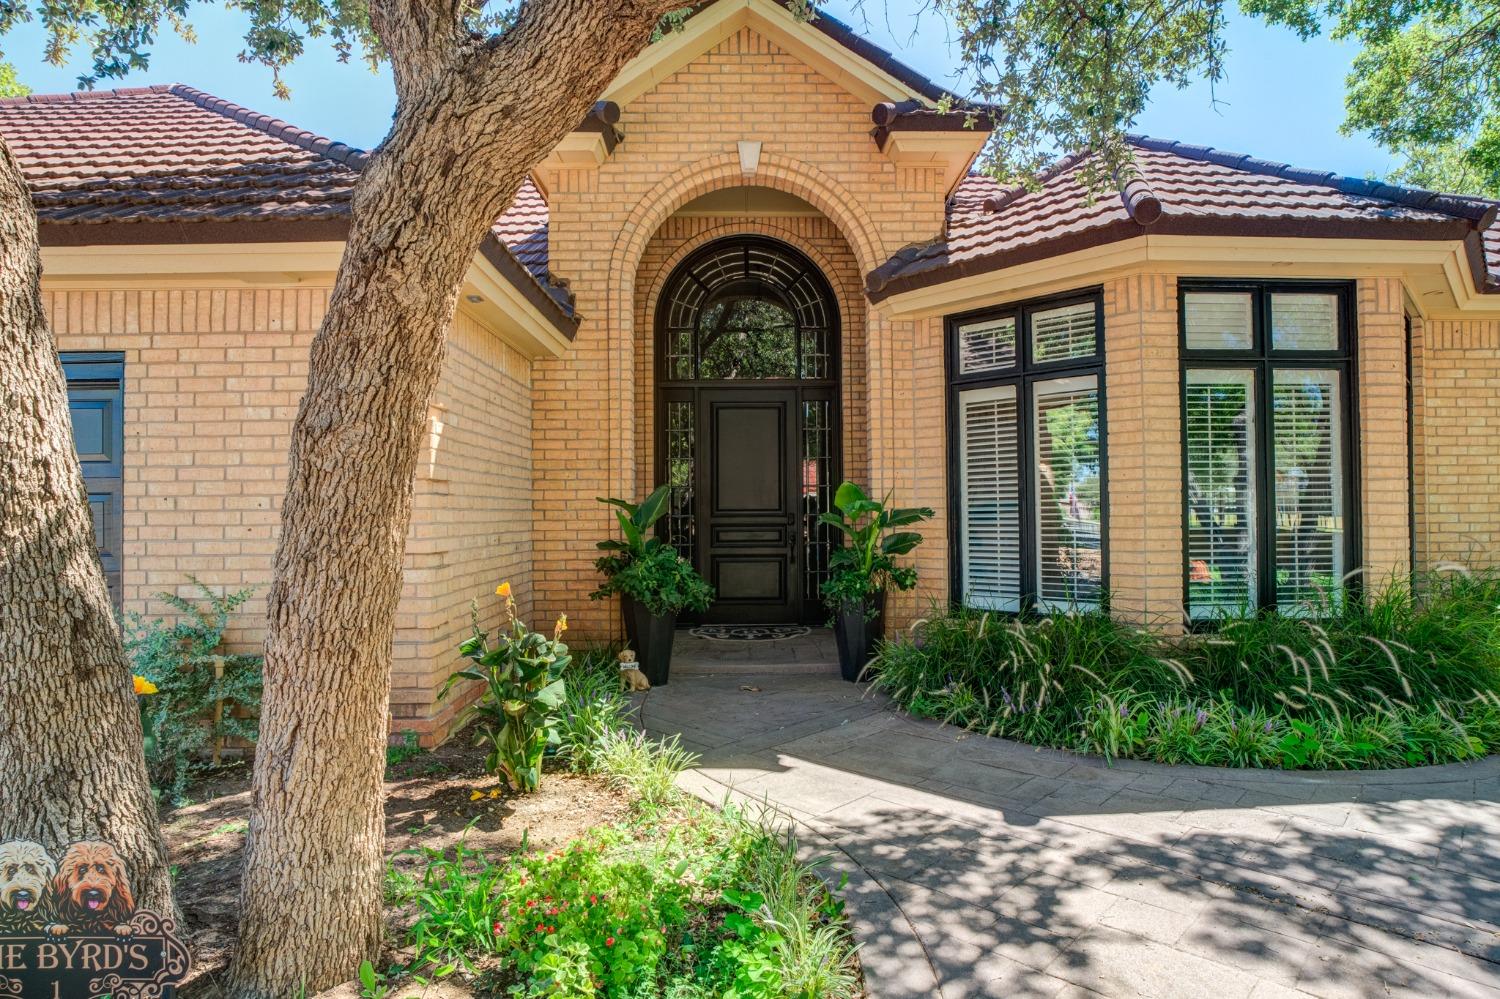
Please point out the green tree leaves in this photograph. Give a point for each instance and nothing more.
(10, 84)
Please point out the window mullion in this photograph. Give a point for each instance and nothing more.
(1265, 461)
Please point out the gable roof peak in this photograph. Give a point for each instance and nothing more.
(824, 41)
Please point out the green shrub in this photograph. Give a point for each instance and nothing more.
(645, 767)
(1393, 681)
(695, 905)
(179, 659)
(516, 714)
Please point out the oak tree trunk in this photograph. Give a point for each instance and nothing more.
(72, 762)
(473, 116)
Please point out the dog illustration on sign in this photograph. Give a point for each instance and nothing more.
(26, 872)
(86, 893)
(70, 927)
(90, 893)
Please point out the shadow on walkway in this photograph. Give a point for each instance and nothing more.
(983, 867)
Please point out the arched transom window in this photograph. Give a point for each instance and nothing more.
(747, 309)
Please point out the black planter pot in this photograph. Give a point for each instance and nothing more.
(856, 631)
(651, 638)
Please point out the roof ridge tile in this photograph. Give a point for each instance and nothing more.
(276, 128)
(1479, 212)
(76, 96)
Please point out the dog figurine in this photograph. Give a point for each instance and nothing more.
(25, 870)
(90, 892)
(634, 679)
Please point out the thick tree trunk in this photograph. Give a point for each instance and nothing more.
(472, 118)
(71, 753)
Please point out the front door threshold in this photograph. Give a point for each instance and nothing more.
(812, 653)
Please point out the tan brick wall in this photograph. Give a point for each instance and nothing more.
(1144, 439)
(681, 143)
(471, 521)
(1383, 472)
(212, 382)
(1456, 386)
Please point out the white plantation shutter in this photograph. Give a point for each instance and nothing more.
(1221, 462)
(987, 346)
(1304, 321)
(1065, 332)
(1067, 493)
(1218, 320)
(1308, 487)
(990, 482)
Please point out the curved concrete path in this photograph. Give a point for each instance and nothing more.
(981, 867)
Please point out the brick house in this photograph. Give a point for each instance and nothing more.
(1229, 384)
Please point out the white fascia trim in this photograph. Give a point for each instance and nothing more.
(1426, 262)
(511, 315)
(180, 265)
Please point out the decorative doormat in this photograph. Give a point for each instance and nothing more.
(749, 632)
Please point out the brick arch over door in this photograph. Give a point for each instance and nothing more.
(711, 174)
(827, 249)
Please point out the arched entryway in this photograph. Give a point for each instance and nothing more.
(748, 424)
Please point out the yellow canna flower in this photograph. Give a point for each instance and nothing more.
(503, 590)
(495, 793)
(476, 796)
(144, 686)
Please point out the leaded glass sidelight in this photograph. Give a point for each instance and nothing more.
(817, 469)
(681, 460)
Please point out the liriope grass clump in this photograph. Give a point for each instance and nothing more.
(1400, 678)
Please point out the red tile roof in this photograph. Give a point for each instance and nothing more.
(173, 154)
(1197, 190)
(523, 228)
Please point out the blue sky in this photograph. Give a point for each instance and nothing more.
(1281, 98)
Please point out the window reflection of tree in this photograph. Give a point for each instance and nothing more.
(747, 335)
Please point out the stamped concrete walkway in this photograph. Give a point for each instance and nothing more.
(980, 867)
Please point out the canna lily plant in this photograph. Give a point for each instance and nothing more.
(516, 715)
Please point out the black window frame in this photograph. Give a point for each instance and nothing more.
(1263, 359)
(1024, 374)
(104, 370)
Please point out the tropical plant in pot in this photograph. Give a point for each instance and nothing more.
(865, 568)
(655, 583)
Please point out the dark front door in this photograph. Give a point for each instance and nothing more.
(749, 529)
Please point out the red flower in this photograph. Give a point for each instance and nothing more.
(499, 928)
(609, 941)
(540, 928)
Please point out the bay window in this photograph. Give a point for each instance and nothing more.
(1266, 413)
(1027, 418)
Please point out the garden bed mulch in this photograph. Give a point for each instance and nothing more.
(428, 804)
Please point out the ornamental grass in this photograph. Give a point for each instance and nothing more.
(1400, 678)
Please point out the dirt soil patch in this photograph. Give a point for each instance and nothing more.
(428, 804)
